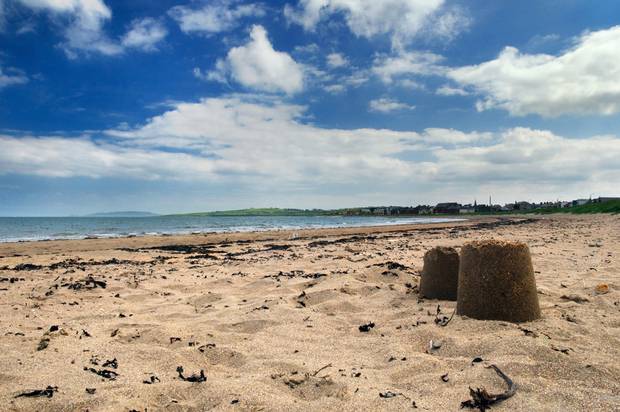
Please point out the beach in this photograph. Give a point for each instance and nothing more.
(326, 319)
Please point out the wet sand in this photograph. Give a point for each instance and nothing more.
(273, 320)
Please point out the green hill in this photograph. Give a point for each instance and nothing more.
(267, 212)
(613, 206)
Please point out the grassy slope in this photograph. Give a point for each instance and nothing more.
(606, 207)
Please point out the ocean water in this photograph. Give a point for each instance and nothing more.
(13, 229)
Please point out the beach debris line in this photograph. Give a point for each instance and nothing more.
(39, 393)
(194, 378)
(482, 400)
(26, 266)
(366, 327)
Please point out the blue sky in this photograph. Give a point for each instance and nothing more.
(173, 106)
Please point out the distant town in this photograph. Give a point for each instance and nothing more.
(596, 205)
(454, 208)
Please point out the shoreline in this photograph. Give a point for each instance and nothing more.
(8, 249)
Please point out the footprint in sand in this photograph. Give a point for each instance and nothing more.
(247, 326)
(217, 355)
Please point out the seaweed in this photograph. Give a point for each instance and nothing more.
(366, 327)
(26, 266)
(43, 344)
(152, 379)
(110, 364)
(443, 320)
(104, 373)
(193, 378)
(482, 400)
(87, 283)
(39, 393)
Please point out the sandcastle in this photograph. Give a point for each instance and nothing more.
(496, 282)
(440, 273)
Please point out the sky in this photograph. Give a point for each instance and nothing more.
(195, 105)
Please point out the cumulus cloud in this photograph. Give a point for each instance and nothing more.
(336, 60)
(253, 140)
(257, 65)
(82, 23)
(214, 17)
(582, 80)
(144, 34)
(385, 105)
(11, 77)
(400, 19)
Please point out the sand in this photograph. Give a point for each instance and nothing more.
(273, 321)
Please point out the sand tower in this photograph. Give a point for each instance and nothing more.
(496, 282)
(440, 273)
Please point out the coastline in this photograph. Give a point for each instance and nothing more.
(153, 240)
(116, 229)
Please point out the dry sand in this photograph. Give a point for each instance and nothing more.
(273, 321)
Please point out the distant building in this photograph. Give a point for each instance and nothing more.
(447, 208)
(523, 206)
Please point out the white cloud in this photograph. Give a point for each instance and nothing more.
(334, 88)
(401, 19)
(65, 157)
(584, 79)
(406, 64)
(214, 17)
(256, 141)
(12, 77)
(447, 90)
(336, 60)
(144, 34)
(84, 31)
(257, 65)
(385, 105)
(82, 23)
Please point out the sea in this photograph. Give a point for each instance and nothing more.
(17, 229)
